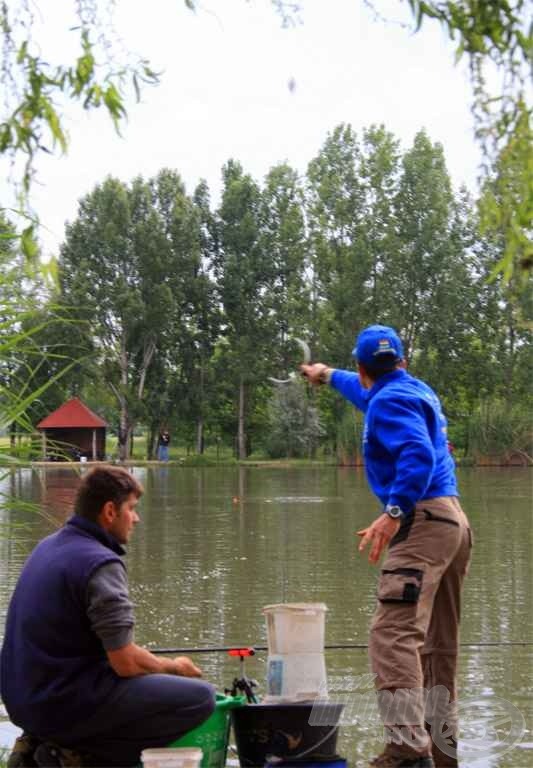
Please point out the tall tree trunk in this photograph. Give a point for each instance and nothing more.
(200, 435)
(200, 419)
(509, 400)
(151, 447)
(241, 434)
(12, 435)
(123, 435)
(148, 353)
(124, 428)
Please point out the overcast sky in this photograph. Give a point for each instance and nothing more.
(225, 93)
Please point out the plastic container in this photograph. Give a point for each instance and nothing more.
(285, 732)
(296, 667)
(295, 627)
(171, 758)
(212, 736)
(296, 677)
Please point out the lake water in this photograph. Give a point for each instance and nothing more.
(215, 545)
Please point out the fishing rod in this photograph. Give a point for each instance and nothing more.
(292, 376)
(243, 650)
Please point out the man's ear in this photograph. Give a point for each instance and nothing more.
(107, 514)
(364, 378)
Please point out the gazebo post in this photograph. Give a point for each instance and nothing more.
(44, 444)
(94, 444)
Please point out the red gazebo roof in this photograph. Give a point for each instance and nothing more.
(73, 413)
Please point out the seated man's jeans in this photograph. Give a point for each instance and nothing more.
(144, 712)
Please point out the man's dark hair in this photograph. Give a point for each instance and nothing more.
(104, 484)
(383, 364)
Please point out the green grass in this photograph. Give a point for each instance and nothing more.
(29, 449)
(212, 456)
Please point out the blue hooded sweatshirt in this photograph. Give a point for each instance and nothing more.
(405, 443)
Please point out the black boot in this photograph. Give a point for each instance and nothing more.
(49, 755)
(388, 760)
(22, 753)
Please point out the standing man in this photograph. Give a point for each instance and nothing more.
(163, 444)
(71, 675)
(414, 636)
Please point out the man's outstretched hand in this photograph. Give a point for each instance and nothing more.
(314, 372)
(379, 534)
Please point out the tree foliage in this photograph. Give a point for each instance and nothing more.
(497, 38)
(36, 84)
(294, 428)
(127, 263)
(493, 35)
(186, 308)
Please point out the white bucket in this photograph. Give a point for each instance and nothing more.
(295, 677)
(295, 627)
(296, 668)
(178, 757)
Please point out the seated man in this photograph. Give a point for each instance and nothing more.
(70, 674)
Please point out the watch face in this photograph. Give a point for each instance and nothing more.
(393, 512)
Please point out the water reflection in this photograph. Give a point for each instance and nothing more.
(216, 545)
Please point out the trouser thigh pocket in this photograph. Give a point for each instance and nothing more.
(400, 585)
(394, 632)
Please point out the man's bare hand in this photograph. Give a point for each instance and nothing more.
(314, 372)
(379, 533)
(185, 667)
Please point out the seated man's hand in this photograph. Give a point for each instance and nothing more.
(132, 660)
(186, 667)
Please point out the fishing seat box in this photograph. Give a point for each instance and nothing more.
(297, 732)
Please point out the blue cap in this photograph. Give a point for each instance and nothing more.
(375, 341)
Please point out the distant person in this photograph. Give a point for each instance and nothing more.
(71, 675)
(162, 445)
(414, 636)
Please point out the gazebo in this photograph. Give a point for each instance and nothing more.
(73, 431)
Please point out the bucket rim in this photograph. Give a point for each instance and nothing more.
(173, 752)
(228, 702)
(296, 607)
(294, 705)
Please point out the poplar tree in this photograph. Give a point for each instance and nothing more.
(340, 265)
(283, 240)
(126, 264)
(242, 272)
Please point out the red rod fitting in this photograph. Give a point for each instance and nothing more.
(242, 652)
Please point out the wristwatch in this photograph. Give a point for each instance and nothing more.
(393, 511)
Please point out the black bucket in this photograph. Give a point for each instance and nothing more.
(305, 731)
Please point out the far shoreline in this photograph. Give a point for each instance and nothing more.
(197, 461)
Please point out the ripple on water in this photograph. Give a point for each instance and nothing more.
(297, 500)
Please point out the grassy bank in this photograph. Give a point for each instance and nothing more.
(27, 453)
